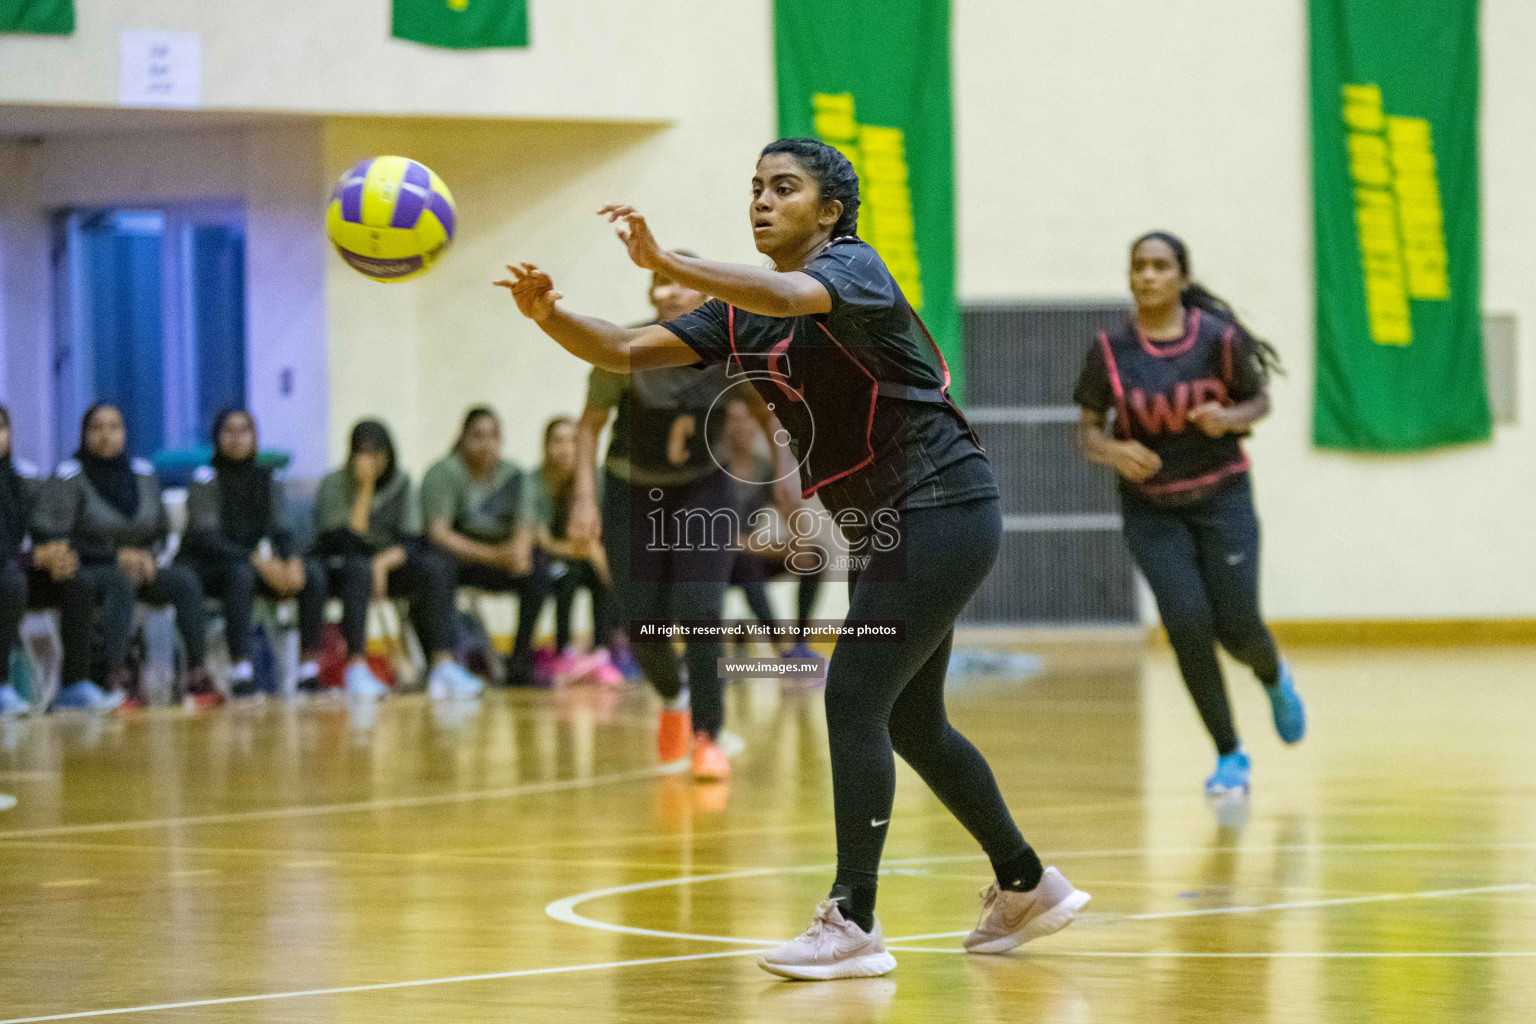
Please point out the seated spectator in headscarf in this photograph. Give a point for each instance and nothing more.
(239, 546)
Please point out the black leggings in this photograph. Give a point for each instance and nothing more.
(425, 577)
(884, 696)
(175, 585)
(668, 578)
(236, 582)
(1202, 562)
(752, 572)
(32, 589)
(580, 575)
(529, 589)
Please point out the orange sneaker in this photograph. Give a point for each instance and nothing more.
(709, 761)
(672, 736)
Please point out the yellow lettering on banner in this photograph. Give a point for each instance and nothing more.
(1419, 210)
(1377, 223)
(879, 155)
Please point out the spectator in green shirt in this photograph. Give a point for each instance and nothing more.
(473, 505)
(580, 561)
(368, 533)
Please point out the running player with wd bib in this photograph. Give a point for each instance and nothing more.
(831, 344)
(1185, 380)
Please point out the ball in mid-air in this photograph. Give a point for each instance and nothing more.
(390, 218)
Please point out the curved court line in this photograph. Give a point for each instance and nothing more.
(565, 909)
(354, 807)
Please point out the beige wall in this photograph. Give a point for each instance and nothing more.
(1075, 135)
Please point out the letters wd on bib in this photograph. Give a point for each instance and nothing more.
(1395, 188)
(873, 80)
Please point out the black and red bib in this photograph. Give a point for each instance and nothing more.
(1152, 385)
(861, 389)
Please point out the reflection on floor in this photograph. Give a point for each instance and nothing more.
(524, 859)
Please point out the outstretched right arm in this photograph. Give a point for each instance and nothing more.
(620, 349)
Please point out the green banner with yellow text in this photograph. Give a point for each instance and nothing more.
(461, 24)
(1396, 212)
(872, 79)
(38, 17)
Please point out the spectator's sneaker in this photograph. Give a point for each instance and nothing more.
(1290, 714)
(800, 651)
(1230, 777)
(709, 762)
(1010, 919)
(200, 689)
(563, 668)
(309, 677)
(242, 680)
(87, 696)
(360, 682)
(452, 681)
(11, 702)
(605, 673)
(672, 735)
(832, 947)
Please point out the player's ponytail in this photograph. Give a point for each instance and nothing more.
(1197, 296)
(834, 176)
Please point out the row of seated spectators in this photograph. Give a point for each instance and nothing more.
(93, 540)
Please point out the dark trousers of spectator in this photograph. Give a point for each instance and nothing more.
(752, 573)
(236, 583)
(530, 589)
(23, 589)
(580, 575)
(175, 585)
(425, 578)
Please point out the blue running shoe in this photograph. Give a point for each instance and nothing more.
(1285, 702)
(1231, 775)
(86, 696)
(11, 702)
(800, 651)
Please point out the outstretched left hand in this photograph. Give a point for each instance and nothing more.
(644, 251)
(532, 289)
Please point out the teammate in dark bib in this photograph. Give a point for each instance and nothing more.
(1166, 398)
(662, 495)
(828, 340)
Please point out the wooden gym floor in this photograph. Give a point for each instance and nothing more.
(528, 861)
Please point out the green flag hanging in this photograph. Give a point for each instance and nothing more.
(873, 80)
(39, 17)
(1395, 205)
(462, 24)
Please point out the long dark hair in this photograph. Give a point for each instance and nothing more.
(1197, 296)
(218, 428)
(834, 176)
(371, 435)
(475, 412)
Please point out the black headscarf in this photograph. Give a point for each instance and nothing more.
(112, 478)
(13, 504)
(245, 489)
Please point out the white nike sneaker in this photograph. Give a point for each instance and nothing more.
(1010, 919)
(832, 947)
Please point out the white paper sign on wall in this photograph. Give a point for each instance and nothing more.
(161, 69)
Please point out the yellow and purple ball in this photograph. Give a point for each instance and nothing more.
(391, 218)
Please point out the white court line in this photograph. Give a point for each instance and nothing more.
(345, 990)
(1181, 955)
(565, 909)
(7, 801)
(358, 806)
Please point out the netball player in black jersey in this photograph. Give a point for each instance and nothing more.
(828, 339)
(660, 473)
(1185, 380)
